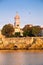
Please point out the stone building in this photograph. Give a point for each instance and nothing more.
(17, 23)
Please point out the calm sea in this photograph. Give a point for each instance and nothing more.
(21, 58)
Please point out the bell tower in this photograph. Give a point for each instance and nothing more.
(17, 22)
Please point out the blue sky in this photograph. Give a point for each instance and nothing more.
(30, 11)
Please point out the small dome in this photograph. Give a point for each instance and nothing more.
(17, 16)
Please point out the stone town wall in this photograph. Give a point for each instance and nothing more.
(21, 43)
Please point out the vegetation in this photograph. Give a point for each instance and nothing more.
(31, 31)
(36, 30)
(17, 34)
(27, 31)
(7, 30)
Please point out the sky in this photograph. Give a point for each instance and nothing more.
(30, 12)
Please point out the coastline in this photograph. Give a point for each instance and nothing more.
(13, 51)
(21, 43)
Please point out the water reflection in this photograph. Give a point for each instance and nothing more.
(21, 58)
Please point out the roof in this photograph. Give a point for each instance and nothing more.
(17, 16)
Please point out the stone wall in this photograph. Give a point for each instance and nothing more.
(21, 43)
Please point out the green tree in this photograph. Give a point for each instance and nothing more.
(27, 30)
(25, 33)
(26, 27)
(36, 30)
(7, 30)
(31, 31)
(17, 34)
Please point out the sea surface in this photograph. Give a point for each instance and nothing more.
(21, 57)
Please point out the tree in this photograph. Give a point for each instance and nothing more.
(25, 33)
(31, 31)
(27, 30)
(36, 30)
(7, 30)
(26, 27)
(17, 34)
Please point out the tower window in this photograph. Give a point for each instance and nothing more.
(17, 25)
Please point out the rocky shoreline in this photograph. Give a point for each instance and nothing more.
(21, 43)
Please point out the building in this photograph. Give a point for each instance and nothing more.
(17, 23)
